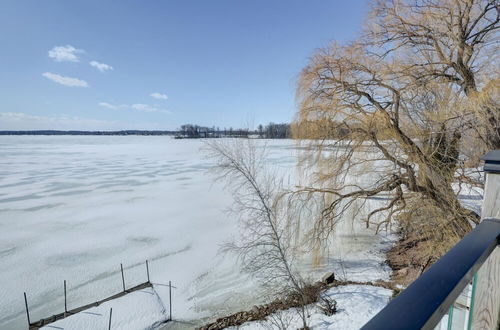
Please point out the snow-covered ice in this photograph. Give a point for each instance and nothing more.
(73, 208)
(141, 309)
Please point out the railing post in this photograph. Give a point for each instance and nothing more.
(147, 271)
(65, 300)
(123, 278)
(110, 315)
(27, 310)
(170, 298)
(487, 292)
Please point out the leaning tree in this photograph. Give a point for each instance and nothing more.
(417, 99)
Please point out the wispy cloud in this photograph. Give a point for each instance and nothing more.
(100, 66)
(23, 121)
(159, 96)
(136, 106)
(66, 81)
(108, 105)
(147, 108)
(66, 53)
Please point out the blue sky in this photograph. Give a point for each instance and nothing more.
(151, 64)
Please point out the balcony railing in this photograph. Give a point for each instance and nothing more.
(432, 296)
(462, 289)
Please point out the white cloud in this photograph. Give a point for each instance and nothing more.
(148, 108)
(108, 105)
(66, 53)
(66, 81)
(143, 107)
(137, 106)
(159, 96)
(22, 121)
(100, 66)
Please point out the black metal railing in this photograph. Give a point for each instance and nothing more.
(429, 298)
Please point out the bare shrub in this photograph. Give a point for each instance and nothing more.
(265, 246)
(281, 321)
(327, 305)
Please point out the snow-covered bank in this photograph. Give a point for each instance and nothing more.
(356, 305)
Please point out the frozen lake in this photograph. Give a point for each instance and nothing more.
(73, 208)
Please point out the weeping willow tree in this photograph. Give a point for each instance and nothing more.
(416, 101)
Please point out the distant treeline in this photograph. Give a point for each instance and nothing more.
(270, 131)
(55, 132)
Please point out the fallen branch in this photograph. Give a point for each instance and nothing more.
(312, 294)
